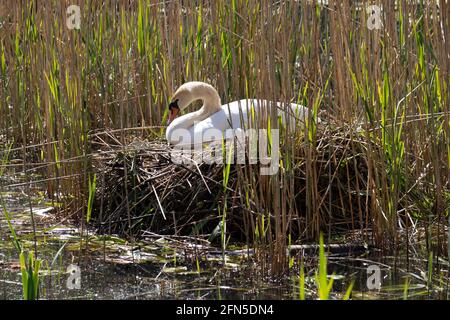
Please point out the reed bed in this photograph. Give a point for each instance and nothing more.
(385, 89)
(141, 189)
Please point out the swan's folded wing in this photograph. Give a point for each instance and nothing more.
(219, 125)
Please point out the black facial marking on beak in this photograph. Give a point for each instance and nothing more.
(174, 104)
(174, 110)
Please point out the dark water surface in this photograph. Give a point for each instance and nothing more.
(111, 268)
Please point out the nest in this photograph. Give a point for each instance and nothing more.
(141, 190)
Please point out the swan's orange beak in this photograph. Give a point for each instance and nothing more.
(173, 113)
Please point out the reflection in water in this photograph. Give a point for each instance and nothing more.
(94, 267)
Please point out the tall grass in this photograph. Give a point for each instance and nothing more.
(324, 286)
(29, 267)
(30, 276)
(390, 86)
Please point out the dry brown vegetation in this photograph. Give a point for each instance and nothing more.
(380, 162)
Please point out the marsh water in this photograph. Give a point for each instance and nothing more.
(78, 264)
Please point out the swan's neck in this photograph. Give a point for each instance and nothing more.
(211, 105)
(210, 98)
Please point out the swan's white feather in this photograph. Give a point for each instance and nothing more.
(236, 115)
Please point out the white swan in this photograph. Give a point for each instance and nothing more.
(214, 115)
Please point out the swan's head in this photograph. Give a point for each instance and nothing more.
(180, 100)
(189, 92)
